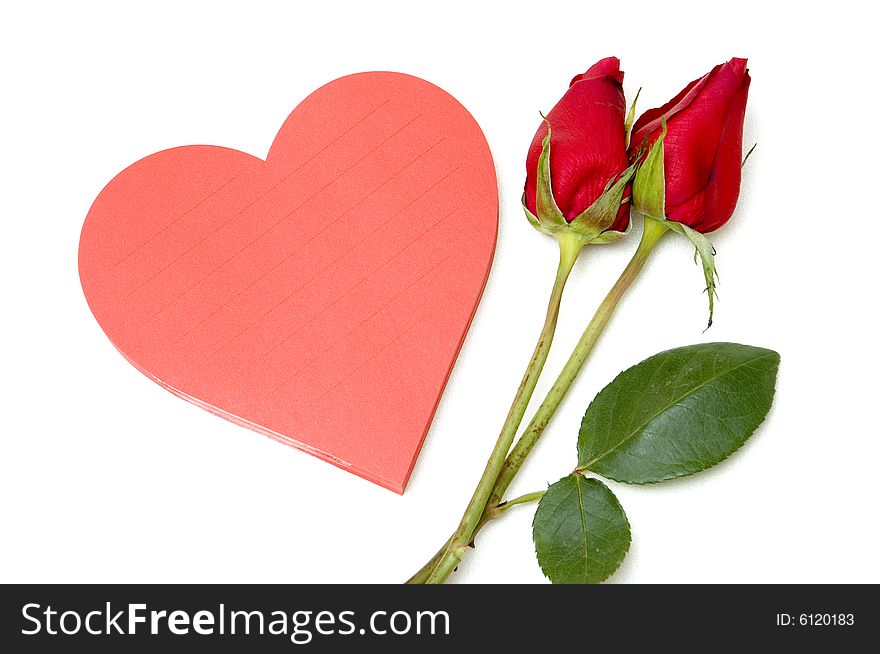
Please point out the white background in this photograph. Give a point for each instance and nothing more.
(104, 476)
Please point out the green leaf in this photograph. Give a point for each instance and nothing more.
(677, 413)
(581, 532)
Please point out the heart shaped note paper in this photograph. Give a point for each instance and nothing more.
(320, 296)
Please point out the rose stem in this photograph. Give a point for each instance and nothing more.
(425, 571)
(422, 575)
(569, 248)
(653, 230)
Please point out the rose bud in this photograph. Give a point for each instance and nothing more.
(691, 153)
(577, 170)
(703, 146)
(583, 204)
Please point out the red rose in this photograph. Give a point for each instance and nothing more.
(587, 143)
(702, 146)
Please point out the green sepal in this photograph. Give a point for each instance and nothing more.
(630, 118)
(649, 187)
(702, 247)
(599, 216)
(748, 154)
(611, 235)
(533, 219)
(550, 216)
